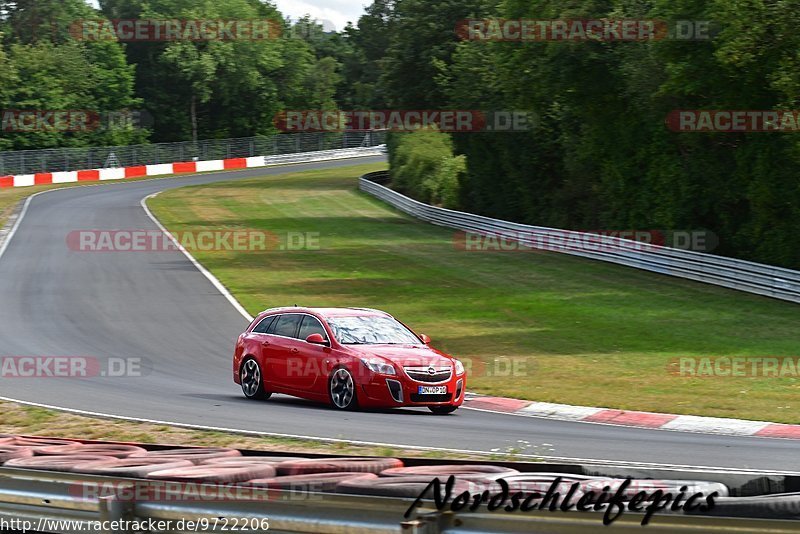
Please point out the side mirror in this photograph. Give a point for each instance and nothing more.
(316, 339)
(425, 339)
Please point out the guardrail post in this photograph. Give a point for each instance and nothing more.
(430, 523)
(113, 510)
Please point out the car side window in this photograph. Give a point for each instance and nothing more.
(285, 325)
(311, 325)
(264, 325)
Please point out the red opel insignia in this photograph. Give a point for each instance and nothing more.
(350, 357)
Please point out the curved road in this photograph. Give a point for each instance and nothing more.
(160, 308)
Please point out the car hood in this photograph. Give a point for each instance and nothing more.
(405, 355)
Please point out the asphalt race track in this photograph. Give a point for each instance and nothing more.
(159, 307)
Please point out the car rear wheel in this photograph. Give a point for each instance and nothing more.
(252, 380)
(442, 410)
(342, 389)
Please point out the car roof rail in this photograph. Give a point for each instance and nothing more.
(372, 310)
(280, 308)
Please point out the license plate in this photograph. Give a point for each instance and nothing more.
(432, 390)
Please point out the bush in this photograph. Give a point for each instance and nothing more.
(423, 167)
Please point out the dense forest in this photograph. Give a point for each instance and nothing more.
(598, 156)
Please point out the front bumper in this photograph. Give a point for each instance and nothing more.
(398, 391)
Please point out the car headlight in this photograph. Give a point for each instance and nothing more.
(459, 367)
(380, 367)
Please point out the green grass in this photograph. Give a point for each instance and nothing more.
(582, 332)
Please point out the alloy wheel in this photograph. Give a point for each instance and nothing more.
(342, 389)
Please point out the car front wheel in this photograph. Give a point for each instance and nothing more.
(442, 410)
(342, 390)
(253, 380)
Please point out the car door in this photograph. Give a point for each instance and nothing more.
(281, 346)
(312, 357)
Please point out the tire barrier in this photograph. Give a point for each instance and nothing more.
(566, 477)
(667, 486)
(379, 477)
(99, 449)
(134, 466)
(223, 474)
(542, 482)
(67, 463)
(777, 506)
(339, 465)
(248, 460)
(444, 471)
(196, 456)
(42, 442)
(11, 452)
(405, 486)
(315, 482)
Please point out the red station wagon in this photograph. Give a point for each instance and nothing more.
(350, 357)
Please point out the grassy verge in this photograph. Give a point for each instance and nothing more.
(28, 420)
(579, 332)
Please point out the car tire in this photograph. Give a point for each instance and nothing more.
(252, 380)
(342, 390)
(443, 410)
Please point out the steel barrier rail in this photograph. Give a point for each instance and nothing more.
(41, 495)
(750, 277)
(38, 495)
(82, 158)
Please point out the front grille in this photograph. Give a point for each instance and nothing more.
(423, 374)
(444, 397)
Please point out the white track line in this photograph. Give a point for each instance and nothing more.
(590, 461)
(14, 228)
(211, 278)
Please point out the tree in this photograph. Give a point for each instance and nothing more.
(48, 70)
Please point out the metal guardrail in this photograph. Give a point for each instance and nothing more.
(76, 159)
(750, 277)
(35, 495)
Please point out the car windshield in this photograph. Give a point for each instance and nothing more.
(371, 331)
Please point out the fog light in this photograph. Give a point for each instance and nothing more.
(459, 387)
